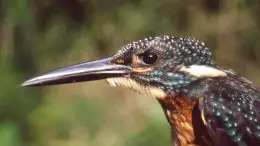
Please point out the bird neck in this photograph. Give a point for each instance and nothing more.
(178, 111)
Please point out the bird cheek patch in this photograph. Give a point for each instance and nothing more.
(133, 85)
(202, 71)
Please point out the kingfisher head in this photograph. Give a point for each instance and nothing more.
(154, 65)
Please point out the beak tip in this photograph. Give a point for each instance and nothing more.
(26, 83)
(31, 82)
(23, 84)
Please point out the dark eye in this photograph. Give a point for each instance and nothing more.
(149, 57)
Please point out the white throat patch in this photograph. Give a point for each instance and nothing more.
(202, 71)
(132, 84)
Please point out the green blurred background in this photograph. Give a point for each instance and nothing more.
(37, 36)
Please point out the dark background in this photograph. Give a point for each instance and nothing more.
(40, 35)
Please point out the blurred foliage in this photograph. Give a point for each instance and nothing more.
(36, 36)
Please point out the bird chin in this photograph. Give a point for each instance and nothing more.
(135, 86)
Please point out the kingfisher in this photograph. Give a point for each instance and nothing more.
(205, 105)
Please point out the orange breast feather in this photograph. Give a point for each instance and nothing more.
(178, 111)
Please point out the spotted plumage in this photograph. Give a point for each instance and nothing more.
(230, 107)
(204, 104)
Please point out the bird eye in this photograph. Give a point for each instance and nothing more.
(149, 57)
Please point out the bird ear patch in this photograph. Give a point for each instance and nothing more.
(202, 71)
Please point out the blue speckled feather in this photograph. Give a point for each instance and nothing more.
(230, 109)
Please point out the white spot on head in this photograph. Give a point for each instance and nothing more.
(202, 71)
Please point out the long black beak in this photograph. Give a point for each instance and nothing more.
(94, 70)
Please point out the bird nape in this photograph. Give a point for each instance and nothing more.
(203, 103)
